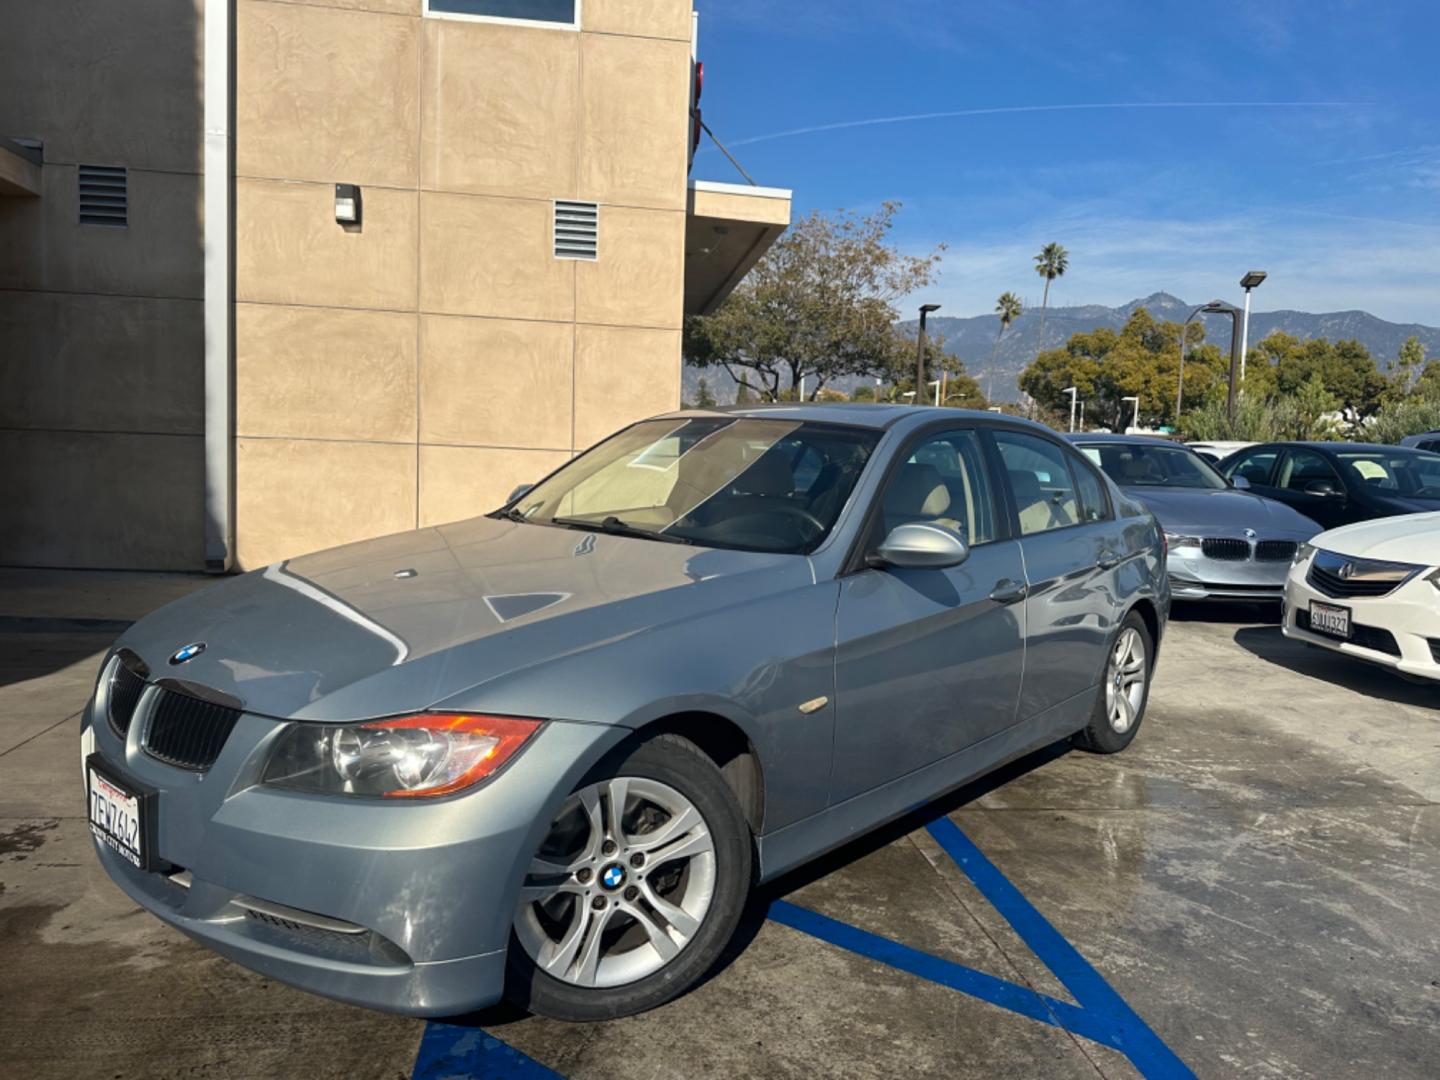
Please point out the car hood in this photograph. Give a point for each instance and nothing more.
(1409, 538)
(1223, 512)
(404, 622)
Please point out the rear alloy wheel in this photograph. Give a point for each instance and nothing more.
(635, 889)
(1120, 705)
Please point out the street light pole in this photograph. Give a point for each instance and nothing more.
(925, 310)
(1073, 392)
(1213, 307)
(1250, 281)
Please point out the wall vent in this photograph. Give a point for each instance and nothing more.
(104, 198)
(577, 230)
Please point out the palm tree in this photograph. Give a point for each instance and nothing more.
(1008, 307)
(1051, 263)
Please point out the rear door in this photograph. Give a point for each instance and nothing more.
(929, 662)
(1072, 547)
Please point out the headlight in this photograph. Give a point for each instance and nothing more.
(1175, 540)
(1302, 554)
(409, 756)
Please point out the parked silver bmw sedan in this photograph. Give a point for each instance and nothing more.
(547, 752)
(1225, 543)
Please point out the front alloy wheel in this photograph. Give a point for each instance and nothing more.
(635, 889)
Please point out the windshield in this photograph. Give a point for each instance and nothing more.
(1411, 474)
(755, 485)
(1141, 465)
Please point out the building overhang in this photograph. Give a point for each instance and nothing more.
(727, 228)
(19, 169)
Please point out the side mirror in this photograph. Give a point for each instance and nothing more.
(1323, 488)
(1239, 483)
(921, 545)
(521, 490)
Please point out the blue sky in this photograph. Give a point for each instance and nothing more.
(1329, 179)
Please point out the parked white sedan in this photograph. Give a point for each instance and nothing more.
(1371, 591)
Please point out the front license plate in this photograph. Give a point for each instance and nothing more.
(1330, 620)
(117, 816)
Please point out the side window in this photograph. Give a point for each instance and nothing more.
(1433, 446)
(1254, 467)
(1094, 505)
(944, 480)
(1303, 468)
(1040, 480)
(558, 12)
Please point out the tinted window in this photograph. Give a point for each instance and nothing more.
(1158, 465)
(556, 11)
(1407, 473)
(944, 481)
(1433, 445)
(763, 485)
(1040, 481)
(1254, 465)
(1305, 467)
(1094, 506)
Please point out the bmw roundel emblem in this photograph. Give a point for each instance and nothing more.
(187, 652)
(613, 876)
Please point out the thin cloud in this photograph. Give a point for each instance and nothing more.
(1009, 109)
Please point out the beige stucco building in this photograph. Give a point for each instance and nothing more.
(202, 363)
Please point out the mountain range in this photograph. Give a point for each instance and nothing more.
(973, 337)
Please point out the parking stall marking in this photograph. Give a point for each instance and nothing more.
(1099, 1013)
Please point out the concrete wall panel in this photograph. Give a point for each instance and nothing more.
(642, 18)
(101, 363)
(635, 95)
(324, 373)
(294, 496)
(622, 375)
(289, 249)
(639, 279)
(496, 382)
(458, 482)
(500, 108)
(326, 94)
(492, 256)
(112, 501)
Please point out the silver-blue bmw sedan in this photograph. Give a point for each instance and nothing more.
(547, 752)
(1225, 542)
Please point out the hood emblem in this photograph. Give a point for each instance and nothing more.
(187, 652)
(1347, 571)
(1250, 534)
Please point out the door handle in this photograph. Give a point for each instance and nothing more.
(1108, 561)
(1007, 591)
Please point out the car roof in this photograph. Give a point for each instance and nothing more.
(1107, 437)
(854, 414)
(1338, 447)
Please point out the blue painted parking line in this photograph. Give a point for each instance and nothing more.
(451, 1052)
(1098, 1012)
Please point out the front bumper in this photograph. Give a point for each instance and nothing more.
(1195, 576)
(1400, 631)
(403, 906)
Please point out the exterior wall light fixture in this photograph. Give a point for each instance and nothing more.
(347, 205)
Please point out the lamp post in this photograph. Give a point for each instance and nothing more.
(1135, 424)
(1217, 307)
(925, 310)
(1250, 281)
(1214, 307)
(1073, 392)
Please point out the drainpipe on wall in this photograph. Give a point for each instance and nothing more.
(219, 251)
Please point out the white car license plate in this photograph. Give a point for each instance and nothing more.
(1330, 620)
(115, 818)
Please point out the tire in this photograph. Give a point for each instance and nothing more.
(1120, 706)
(617, 959)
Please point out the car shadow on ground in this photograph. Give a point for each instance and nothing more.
(1199, 611)
(761, 898)
(1372, 680)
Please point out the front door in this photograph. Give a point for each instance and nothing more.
(1309, 483)
(929, 662)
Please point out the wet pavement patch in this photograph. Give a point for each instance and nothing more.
(24, 839)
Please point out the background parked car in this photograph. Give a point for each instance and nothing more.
(1428, 441)
(1224, 543)
(1338, 483)
(1372, 591)
(1215, 452)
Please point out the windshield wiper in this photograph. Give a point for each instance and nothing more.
(512, 514)
(615, 526)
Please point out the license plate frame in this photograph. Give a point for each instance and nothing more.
(134, 843)
(1334, 621)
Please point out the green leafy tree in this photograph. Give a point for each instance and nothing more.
(1412, 415)
(1409, 365)
(1008, 307)
(820, 305)
(1346, 369)
(1051, 263)
(1429, 384)
(863, 392)
(704, 399)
